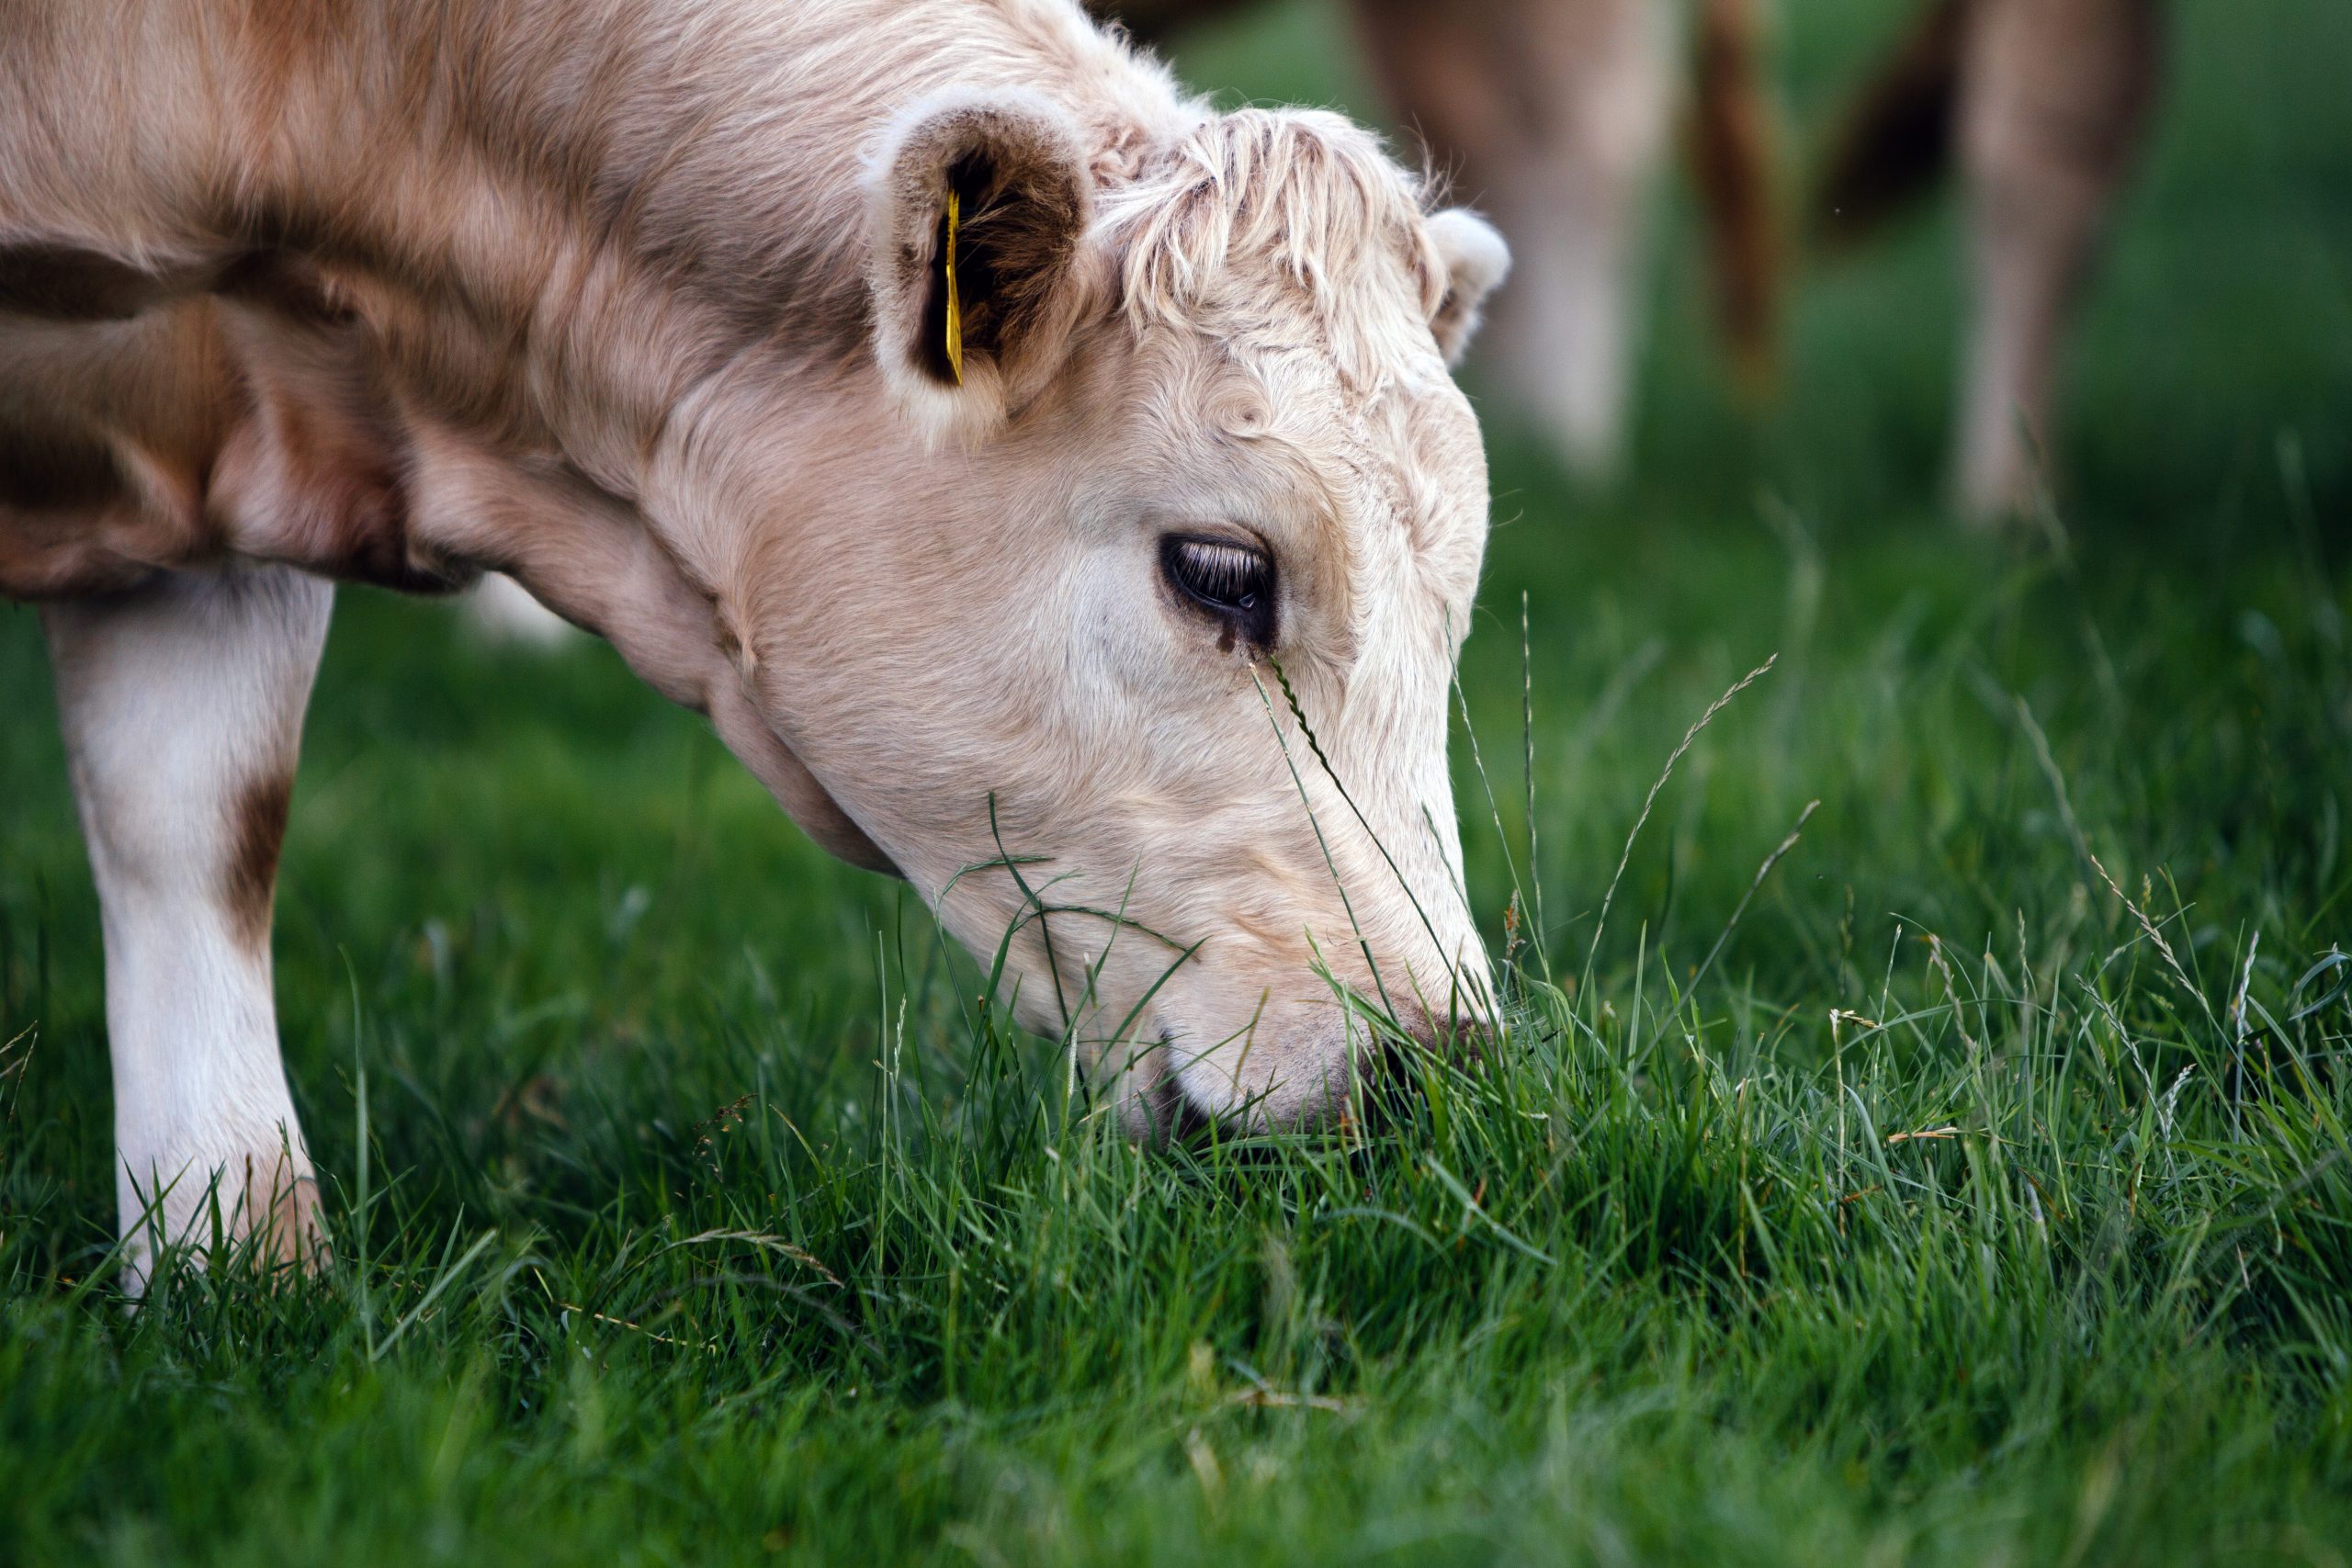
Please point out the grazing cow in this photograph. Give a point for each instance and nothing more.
(1552, 116)
(2047, 101)
(989, 438)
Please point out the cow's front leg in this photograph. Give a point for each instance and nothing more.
(2054, 94)
(182, 707)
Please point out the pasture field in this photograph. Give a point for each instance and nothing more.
(1978, 1190)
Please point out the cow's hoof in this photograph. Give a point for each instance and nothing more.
(259, 1216)
(288, 1235)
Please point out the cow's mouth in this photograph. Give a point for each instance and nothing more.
(1175, 1117)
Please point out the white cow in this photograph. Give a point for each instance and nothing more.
(969, 422)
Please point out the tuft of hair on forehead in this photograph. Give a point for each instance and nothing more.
(1306, 197)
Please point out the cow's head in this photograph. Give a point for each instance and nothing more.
(1165, 457)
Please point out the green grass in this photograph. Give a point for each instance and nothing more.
(689, 1209)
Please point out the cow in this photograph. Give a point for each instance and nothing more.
(1052, 489)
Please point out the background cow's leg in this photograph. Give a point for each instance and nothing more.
(1550, 114)
(503, 611)
(2053, 97)
(182, 707)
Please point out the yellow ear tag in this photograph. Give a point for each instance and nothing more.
(955, 307)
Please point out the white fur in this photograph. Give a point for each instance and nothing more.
(176, 700)
(1477, 261)
(503, 611)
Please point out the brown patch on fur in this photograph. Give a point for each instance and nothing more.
(1895, 142)
(62, 283)
(253, 420)
(50, 466)
(105, 430)
(250, 886)
(1732, 148)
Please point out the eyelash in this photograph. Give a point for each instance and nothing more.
(1232, 583)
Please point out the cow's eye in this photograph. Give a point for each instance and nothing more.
(1233, 583)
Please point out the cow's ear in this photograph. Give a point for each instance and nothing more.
(980, 208)
(1476, 261)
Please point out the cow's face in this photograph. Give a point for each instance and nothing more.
(1143, 652)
